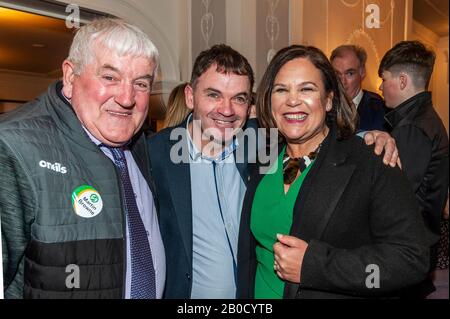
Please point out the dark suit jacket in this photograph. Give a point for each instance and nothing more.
(354, 212)
(371, 111)
(173, 189)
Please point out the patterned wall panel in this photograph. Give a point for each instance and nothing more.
(208, 24)
(272, 31)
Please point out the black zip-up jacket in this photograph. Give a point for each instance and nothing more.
(423, 146)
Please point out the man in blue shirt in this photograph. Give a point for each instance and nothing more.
(201, 197)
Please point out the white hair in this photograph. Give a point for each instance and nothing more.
(113, 34)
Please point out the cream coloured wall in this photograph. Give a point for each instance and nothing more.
(439, 80)
(441, 89)
(344, 22)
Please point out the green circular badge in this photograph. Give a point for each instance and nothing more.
(94, 198)
(86, 201)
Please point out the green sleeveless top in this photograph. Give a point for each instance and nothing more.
(272, 213)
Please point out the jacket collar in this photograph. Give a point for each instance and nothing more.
(327, 179)
(179, 182)
(410, 106)
(65, 118)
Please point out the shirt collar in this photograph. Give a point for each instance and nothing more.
(100, 144)
(357, 99)
(195, 153)
(92, 137)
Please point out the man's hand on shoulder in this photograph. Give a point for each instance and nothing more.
(384, 142)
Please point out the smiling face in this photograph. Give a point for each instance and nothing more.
(350, 72)
(111, 95)
(299, 103)
(220, 101)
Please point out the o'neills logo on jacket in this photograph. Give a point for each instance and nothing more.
(57, 167)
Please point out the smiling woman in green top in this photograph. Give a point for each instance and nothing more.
(329, 210)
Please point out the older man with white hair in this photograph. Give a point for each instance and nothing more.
(76, 202)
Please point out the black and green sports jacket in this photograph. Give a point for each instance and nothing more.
(46, 161)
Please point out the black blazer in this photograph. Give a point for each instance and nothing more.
(173, 189)
(371, 111)
(354, 212)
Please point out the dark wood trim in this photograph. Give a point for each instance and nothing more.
(12, 101)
